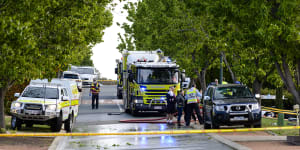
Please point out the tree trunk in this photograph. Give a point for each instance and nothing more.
(3, 91)
(228, 67)
(201, 78)
(298, 74)
(257, 85)
(287, 78)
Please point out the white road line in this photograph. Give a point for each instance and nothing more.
(118, 103)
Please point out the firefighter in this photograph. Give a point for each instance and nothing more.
(95, 89)
(192, 104)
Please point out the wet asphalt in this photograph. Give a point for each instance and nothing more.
(107, 117)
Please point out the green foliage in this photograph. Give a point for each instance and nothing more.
(254, 35)
(9, 97)
(39, 39)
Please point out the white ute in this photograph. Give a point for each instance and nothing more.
(42, 102)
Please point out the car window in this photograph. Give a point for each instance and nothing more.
(71, 76)
(41, 92)
(232, 92)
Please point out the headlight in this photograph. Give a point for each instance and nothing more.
(51, 107)
(138, 101)
(255, 106)
(17, 105)
(220, 108)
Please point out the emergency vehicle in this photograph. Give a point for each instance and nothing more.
(147, 77)
(42, 102)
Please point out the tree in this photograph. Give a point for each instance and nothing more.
(40, 38)
(267, 27)
(178, 29)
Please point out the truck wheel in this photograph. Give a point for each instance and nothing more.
(56, 124)
(69, 123)
(16, 123)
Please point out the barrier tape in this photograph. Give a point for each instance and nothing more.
(276, 110)
(152, 132)
(280, 112)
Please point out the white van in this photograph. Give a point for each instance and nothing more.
(70, 75)
(42, 102)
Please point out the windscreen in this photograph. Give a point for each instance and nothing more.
(232, 92)
(157, 76)
(85, 70)
(71, 76)
(40, 92)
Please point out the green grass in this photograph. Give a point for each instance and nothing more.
(271, 122)
(35, 128)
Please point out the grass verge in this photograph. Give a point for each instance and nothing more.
(272, 122)
(35, 128)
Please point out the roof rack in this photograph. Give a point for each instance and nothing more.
(44, 82)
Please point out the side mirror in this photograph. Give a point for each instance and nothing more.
(257, 96)
(206, 98)
(116, 70)
(17, 95)
(65, 98)
(183, 77)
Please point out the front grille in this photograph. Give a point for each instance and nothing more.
(238, 108)
(162, 94)
(155, 101)
(33, 107)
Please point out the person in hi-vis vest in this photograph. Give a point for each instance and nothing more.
(95, 89)
(192, 104)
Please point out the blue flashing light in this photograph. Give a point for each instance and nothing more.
(143, 88)
(169, 60)
(162, 127)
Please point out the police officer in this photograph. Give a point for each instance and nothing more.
(95, 89)
(192, 104)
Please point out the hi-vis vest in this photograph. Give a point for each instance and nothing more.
(191, 96)
(95, 89)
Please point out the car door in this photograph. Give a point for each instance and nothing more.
(65, 104)
(208, 103)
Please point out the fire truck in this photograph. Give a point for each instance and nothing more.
(147, 77)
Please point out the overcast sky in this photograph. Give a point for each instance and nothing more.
(106, 53)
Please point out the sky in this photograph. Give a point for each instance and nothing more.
(106, 53)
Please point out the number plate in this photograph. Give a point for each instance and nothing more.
(241, 118)
(157, 107)
(34, 112)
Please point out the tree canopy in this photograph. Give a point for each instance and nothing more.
(256, 38)
(41, 38)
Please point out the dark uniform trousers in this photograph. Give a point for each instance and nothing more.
(95, 97)
(190, 109)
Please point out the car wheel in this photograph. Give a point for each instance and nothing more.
(257, 125)
(69, 123)
(56, 124)
(16, 123)
(213, 124)
(206, 125)
(29, 124)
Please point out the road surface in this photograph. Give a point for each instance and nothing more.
(106, 119)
